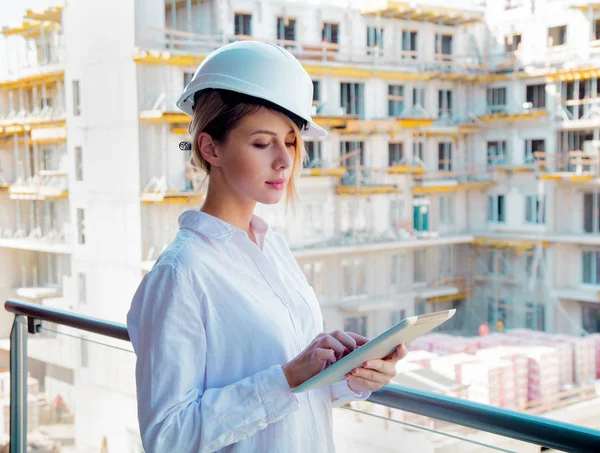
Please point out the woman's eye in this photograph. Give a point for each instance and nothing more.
(261, 145)
(290, 144)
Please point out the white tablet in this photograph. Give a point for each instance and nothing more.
(383, 345)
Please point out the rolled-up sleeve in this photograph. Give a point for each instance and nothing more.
(175, 412)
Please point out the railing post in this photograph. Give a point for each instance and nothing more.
(18, 385)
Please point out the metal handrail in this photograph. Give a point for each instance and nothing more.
(503, 422)
(515, 425)
(65, 318)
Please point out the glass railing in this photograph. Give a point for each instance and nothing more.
(383, 429)
(72, 389)
(84, 392)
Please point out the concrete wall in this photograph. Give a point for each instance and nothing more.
(100, 45)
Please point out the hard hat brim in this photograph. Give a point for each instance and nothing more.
(314, 131)
(186, 101)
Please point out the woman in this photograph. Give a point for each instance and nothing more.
(225, 325)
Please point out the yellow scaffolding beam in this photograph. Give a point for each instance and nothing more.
(52, 14)
(522, 244)
(503, 116)
(367, 190)
(490, 78)
(48, 141)
(591, 5)
(423, 13)
(31, 29)
(390, 126)
(405, 169)
(337, 171)
(21, 127)
(167, 58)
(567, 177)
(361, 73)
(36, 193)
(26, 82)
(421, 190)
(582, 73)
(180, 131)
(332, 121)
(450, 297)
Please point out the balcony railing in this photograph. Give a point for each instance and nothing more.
(30, 320)
(187, 43)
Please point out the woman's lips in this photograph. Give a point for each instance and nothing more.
(277, 184)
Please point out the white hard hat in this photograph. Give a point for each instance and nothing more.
(262, 70)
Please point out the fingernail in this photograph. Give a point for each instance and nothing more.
(354, 371)
(367, 364)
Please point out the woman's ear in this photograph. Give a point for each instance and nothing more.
(209, 149)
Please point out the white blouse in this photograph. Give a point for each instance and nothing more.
(211, 324)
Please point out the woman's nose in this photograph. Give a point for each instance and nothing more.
(285, 156)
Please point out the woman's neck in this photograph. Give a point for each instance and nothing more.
(229, 209)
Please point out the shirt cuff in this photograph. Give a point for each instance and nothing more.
(341, 393)
(276, 394)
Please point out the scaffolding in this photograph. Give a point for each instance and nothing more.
(512, 277)
(39, 185)
(442, 282)
(576, 160)
(508, 290)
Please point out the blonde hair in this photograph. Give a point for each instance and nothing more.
(218, 116)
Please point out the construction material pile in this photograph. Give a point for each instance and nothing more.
(513, 370)
(595, 338)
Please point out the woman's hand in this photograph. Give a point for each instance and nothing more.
(375, 374)
(324, 350)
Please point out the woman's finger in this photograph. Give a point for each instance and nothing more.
(325, 354)
(332, 343)
(360, 340)
(345, 339)
(366, 384)
(399, 353)
(383, 366)
(370, 375)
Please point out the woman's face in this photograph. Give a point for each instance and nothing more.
(258, 156)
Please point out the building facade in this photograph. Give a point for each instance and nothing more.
(461, 169)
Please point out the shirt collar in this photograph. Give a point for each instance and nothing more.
(216, 228)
